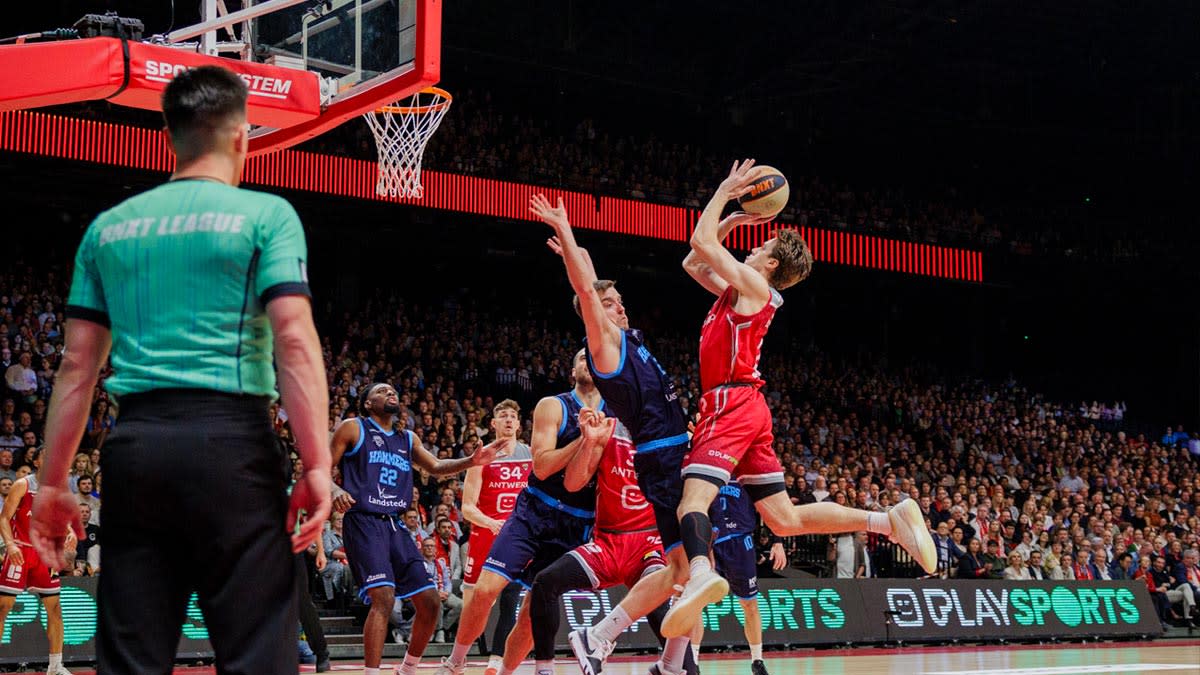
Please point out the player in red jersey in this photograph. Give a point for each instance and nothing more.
(24, 570)
(625, 543)
(489, 495)
(734, 436)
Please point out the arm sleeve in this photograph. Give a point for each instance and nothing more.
(283, 262)
(86, 300)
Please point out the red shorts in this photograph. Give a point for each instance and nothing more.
(478, 546)
(733, 439)
(615, 559)
(32, 575)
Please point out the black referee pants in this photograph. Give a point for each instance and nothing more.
(195, 500)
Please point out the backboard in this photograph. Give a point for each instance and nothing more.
(309, 64)
(368, 53)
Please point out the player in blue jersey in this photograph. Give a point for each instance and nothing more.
(638, 392)
(547, 522)
(376, 463)
(734, 522)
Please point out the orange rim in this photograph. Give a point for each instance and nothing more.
(420, 109)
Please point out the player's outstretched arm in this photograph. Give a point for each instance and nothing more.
(595, 430)
(604, 337)
(470, 501)
(699, 270)
(548, 459)
(706, 240)
(448, 467)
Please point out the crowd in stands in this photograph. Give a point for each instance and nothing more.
(480, 137)
(1015, 486)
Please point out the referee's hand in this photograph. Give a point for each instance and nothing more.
(311, 495)
(55, 516)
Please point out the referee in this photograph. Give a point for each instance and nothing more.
(200, 290)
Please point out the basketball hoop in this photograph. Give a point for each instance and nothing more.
(401, 132)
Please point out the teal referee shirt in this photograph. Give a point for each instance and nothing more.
(182, 275)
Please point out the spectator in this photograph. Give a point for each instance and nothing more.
(88, 548)
(335, 578)
(1175, 591)
(994, 560)
(1065, 570)
(21, 378)
(100, 423)
(1016, 570)
(9, 438)
(1034, 567)
(412, 522)
(972, 565)
(5, 486)
(86, 497)
(446, 540)
(1122, 569)
(7, 470)
(81, 466)
(451, 604)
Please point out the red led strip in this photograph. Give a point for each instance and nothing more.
(139, 148)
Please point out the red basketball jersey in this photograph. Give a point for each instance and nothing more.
(731, 343)
(503, 480)
(620, 504)
(20, 519)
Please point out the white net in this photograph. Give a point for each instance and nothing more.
(401, 132)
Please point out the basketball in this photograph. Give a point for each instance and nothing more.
(768, 194)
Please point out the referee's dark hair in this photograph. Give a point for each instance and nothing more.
(200, 103)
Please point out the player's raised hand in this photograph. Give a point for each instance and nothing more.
(493, 451)
(738, 182)
(554, 216)
(595, 428)
(739, 218)
(55, 516)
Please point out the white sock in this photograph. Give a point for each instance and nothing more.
(458, 655)
(495, 661)
(699, 564)
(879, 523)
(611, 626)
(674, 653)
(55, 662)
(544, 667)
(696, 652)
(756, 652)
(409, 667)
(370, 671)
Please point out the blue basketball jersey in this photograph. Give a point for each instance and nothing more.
(641, 394)
(552, 487)
(377, 471)
(732, 512)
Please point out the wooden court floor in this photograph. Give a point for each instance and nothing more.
(1147, 658)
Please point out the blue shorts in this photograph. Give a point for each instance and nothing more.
(535, 535)
(382, 553)
(734, 555)
(660, 476)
